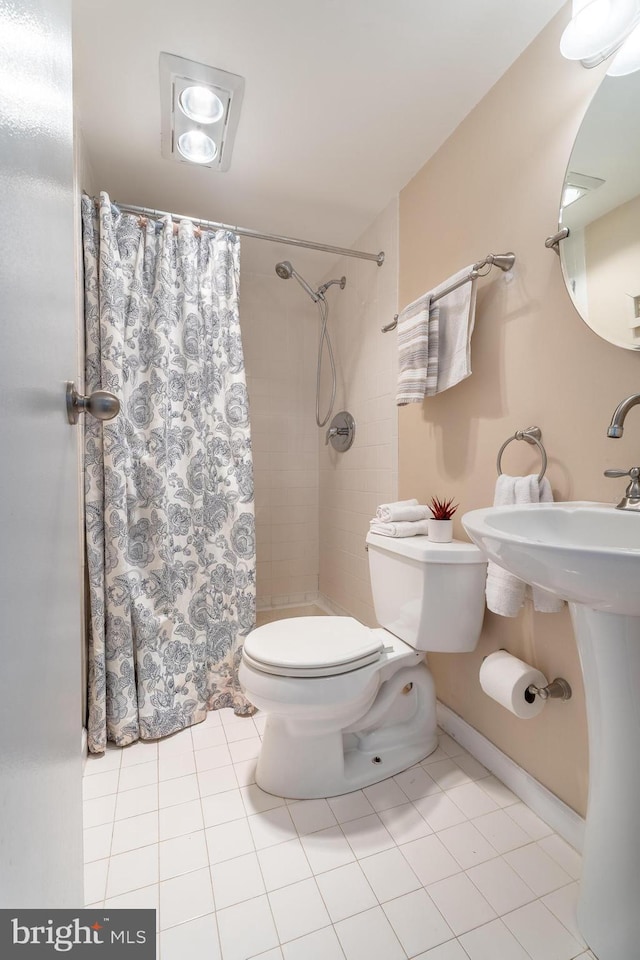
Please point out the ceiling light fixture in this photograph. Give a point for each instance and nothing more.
(200, 112)
(597, 29)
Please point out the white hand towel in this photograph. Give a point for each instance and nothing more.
(401, 529)
(385, 510)
(543, 601)
(457, 318)
(396, 512)
(506, 593)
(417, 351)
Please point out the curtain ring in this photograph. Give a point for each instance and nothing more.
(530, 435)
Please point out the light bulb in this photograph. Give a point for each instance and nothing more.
(201, 104)
(627, 59)
(197, 147)
(598, 28)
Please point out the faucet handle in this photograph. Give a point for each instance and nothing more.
(633, 472)
(631, 499)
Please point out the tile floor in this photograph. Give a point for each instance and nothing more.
(441, 862)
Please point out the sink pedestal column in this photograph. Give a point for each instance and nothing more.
(609, 906)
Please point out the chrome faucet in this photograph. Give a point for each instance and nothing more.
(631, 499)
(616, 427)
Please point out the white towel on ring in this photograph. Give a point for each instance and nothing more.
(406, 528)
(505, 593)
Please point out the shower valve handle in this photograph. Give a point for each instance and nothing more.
(335, 432)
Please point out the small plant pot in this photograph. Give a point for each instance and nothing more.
(440, 531)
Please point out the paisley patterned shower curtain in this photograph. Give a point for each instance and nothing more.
(169, 482)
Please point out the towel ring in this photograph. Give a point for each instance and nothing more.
(531, 435)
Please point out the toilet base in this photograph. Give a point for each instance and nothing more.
(397, 731)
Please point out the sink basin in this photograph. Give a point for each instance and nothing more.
(583, 552)
(589, 554)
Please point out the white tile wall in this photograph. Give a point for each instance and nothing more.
(313, 505)
(279, 327)
(352, 484)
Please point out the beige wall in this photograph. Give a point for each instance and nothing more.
(353, 483)
(495, 186)
(612, 253)
(279, 328)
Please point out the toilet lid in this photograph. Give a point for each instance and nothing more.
(312, 646)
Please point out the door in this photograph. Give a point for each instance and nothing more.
(40, 730)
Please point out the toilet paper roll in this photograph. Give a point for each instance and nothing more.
(505, 679)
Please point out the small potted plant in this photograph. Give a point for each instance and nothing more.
(440, 526)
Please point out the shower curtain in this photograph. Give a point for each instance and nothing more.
(169, 482)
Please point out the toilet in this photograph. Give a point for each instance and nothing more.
(348, 705)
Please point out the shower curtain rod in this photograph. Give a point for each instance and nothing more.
(245, 232)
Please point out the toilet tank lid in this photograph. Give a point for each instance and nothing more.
(428, 551)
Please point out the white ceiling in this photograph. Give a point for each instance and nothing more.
(344, 101)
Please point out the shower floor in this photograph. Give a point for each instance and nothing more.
(441, 862)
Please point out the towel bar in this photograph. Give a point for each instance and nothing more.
(504, 261)
(531, 435)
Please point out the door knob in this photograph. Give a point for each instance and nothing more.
(101, 405)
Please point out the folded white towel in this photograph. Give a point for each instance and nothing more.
(406, 528)
(506, 593)
(457, 317)
(394, 512)
(417, 351)
(385, 508)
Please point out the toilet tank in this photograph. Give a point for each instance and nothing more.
(431, 595)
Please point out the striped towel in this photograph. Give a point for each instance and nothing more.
(418, 351)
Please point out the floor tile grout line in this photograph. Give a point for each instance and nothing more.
(380, 903)
(255, 853)
(113, 827)
(206, 842)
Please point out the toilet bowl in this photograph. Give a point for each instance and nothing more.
(348, 705)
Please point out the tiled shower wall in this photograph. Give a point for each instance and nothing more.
(313, 505)
(352, 484)
(279, 330)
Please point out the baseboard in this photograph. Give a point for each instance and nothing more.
(282, 601)
(550, 808)
(329, 607)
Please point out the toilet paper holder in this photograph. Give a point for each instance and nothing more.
(558, 689)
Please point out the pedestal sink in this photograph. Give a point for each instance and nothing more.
(589, 554)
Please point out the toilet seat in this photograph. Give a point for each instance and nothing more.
(312, 647)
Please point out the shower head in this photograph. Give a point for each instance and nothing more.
(342, 282)
(285, 271)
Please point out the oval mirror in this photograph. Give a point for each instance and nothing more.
(601, 207)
